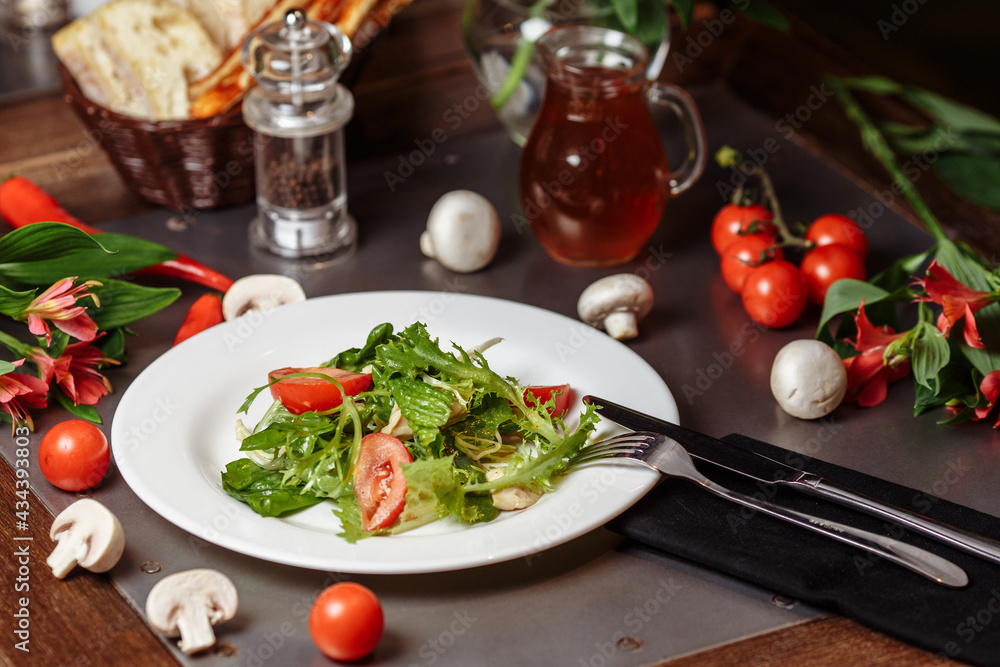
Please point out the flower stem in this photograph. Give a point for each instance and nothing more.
(876, 144)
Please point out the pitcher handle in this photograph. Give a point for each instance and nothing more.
(684, 108)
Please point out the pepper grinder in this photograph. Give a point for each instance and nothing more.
(298, 111)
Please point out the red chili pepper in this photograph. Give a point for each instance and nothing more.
(23, 203)
(204, 313)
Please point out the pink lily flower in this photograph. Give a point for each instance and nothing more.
(76, 373)
(19, 391)
(957, 300)
(57, 304)
(869, 373)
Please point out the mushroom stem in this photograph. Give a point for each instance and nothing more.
(65, 556)
(621, 326)
(195, 626)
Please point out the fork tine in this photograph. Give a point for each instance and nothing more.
(624, 445)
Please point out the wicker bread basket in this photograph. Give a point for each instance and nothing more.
(181, 164)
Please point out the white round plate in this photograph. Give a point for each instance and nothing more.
(173, 432)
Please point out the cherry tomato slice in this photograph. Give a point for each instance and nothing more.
(379, 484)
(826, 264)
(346, 621)
(836, 228)
(538, 394)
(302, 394)
(775, 294)
(743, 255)
(733, 221)
(74, 455)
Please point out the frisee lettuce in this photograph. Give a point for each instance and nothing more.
(464, 416)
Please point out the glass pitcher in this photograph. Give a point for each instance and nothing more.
(594, 176)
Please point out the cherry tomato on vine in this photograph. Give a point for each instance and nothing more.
(742, 255)
(826, 264)
(775, 294)
(346, 621)
(74, 455)
(836, 228)
(733, 221)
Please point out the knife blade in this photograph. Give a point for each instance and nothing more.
(769, 471)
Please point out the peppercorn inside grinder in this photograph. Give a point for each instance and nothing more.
(298, 111)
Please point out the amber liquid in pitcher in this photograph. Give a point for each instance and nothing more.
(593, 171)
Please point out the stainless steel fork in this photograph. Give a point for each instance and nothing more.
(669, 458)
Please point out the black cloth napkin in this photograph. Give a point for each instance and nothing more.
(682, 519)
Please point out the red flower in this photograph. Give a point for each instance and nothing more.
(869, 372)
(990, 389)
(19, 391)
(957, 301)
(76, 373)
(57, 304)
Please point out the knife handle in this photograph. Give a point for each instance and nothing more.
(974, 544)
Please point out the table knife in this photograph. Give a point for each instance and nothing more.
(768, 471)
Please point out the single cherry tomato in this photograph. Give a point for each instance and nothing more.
(74, 455)
(826, 264)
(537, 395)
(775, 294)
(742, 255)
(379, 484)
(346, 621)
(733, 221)
(302, 394)
(836, 228)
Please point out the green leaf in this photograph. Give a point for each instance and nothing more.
(88, 412)
(627, 12)
(127, 254)
(44, 240)
(765, 13)
(112, 344)
(13, 303)
(356, 358)
(685, 10)
(263, 491)
(123, 303)
(878, 85)
(954, 115)
(974, 177)
(844, 296)
(6, 367)
(930, 354)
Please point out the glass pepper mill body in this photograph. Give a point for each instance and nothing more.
(298, 111)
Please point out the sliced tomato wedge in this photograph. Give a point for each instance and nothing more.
(535, 395)
(302, 394)
(379, 484)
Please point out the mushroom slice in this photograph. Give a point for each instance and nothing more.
(616, 303)
(262, 291)
(187, 604)
(86, 534)
(510, 498)
(463, 231)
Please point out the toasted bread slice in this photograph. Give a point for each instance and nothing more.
(137, 57)
(226, 86)
(95, 68)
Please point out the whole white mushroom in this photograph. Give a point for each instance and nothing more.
(808, 379)
(616, 303)
(463, 231)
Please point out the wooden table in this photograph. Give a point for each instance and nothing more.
(418, 69)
